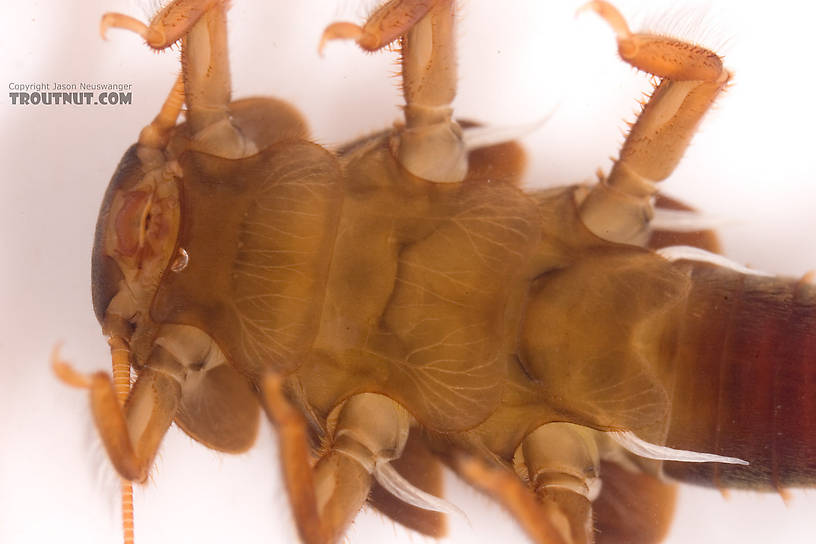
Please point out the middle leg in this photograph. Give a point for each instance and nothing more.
(370, 431)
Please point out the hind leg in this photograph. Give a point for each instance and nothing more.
(619, 208)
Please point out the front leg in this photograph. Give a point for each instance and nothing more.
(131, 435)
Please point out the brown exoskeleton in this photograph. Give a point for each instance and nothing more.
(447, 238)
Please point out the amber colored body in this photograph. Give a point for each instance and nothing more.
(401, 302)
(512, 280)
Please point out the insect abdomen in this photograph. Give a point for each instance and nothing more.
(745, 380)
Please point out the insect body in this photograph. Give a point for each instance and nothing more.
(372, 280)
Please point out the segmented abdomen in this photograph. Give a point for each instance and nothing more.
(745, 380)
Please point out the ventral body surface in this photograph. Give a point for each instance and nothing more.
(364, 84)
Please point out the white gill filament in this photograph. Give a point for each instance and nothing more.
(632, 443)
(478, 137)
(690, 253)
(393, 482)
(684, 221)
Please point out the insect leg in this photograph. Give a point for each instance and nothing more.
(563, 465)
(293, 441)
(633, 507)
(431, 145)
(157, 133)
(507, 489)
(201, 25)
(132, 437)
(619, 207)
(121, 384)
(184, 364)
(371, 430)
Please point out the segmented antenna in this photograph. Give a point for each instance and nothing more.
(120, 358)
(157, 134)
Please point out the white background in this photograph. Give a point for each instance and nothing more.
(752, 165)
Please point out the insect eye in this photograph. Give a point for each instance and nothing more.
(132, 221)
